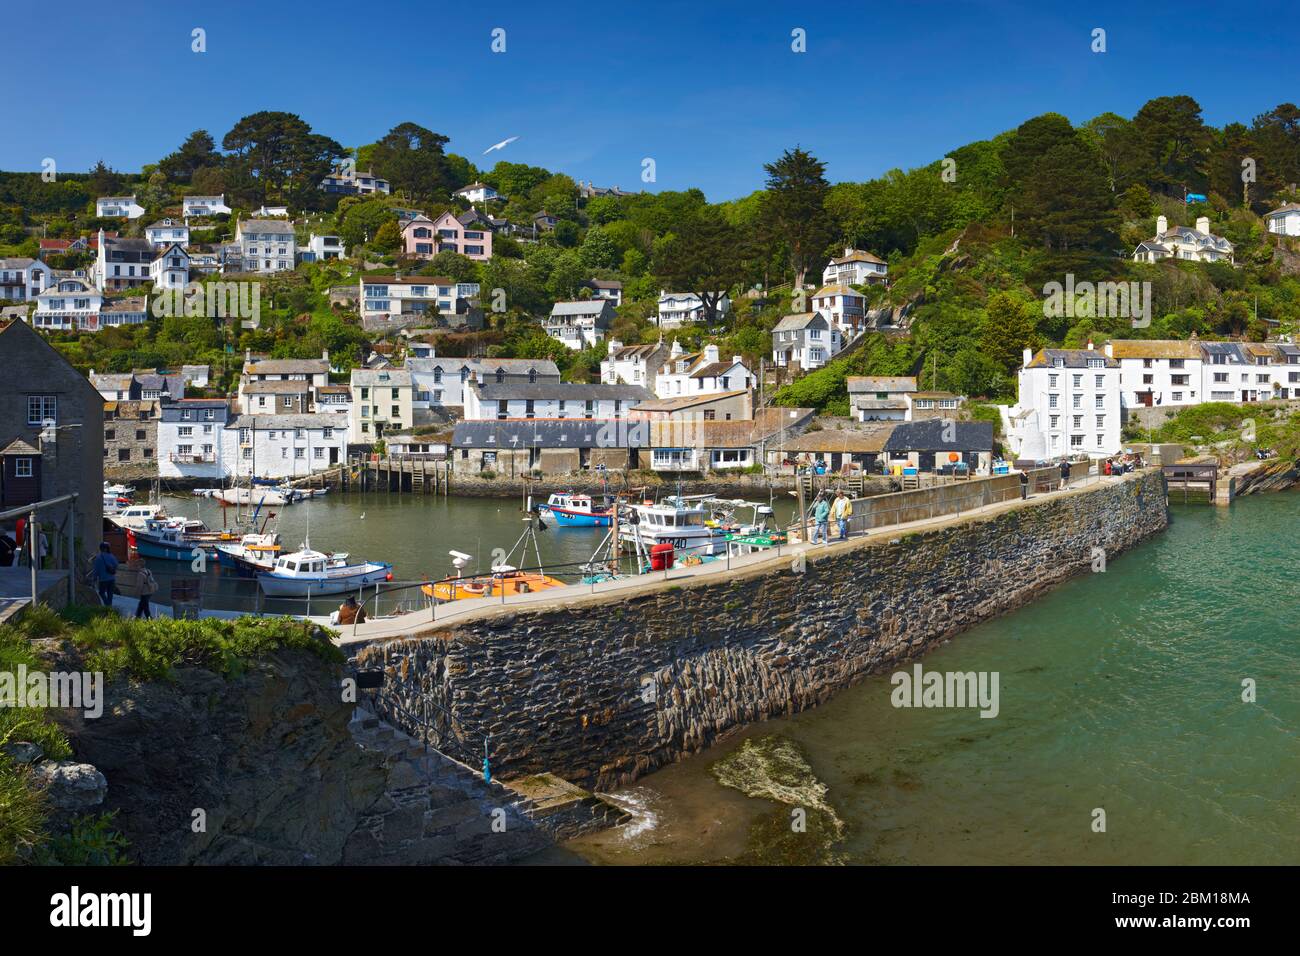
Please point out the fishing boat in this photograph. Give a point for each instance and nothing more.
(252, 554)
(675, 520)
(574, 511)
(162, 539)
(307, 573)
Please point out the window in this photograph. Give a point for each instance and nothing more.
(185, 431)
(1101, 421)
(299, 453)
(1051, 400)
(1078, 380)
(318, 452)
(22, 468)
(1176, 396)
(1077, 420)
(327, 434)
(1076, 441)
(110, 434)
(42, 408)
(1099, 401)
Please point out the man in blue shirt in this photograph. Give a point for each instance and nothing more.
(104, 570)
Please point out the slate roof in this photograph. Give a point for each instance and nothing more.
(383, 377)
(881, 383)
(261, 422)
(798, 321)
(684, 401)
(928, 435)
(552, 433)
(1155, 348)
(846, 441)
(286, 367)
(569, 391)
(1072, 358)
(581, 307)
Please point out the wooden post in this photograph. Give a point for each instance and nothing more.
(34, 551)
(69, 547)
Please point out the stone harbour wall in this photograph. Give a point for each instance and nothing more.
(601, 692)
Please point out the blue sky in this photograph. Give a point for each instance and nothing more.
(709, 89)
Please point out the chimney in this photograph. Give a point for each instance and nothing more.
(848, 250)
(710, 353)
(1028, 357)
(1091, 347)
(1162, 225)
(325, 355)
(1110, 349)
(736, 360)
(1203, 224)
(677, 348)
(614, 346)
(248, 356)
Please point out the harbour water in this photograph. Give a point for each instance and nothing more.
(411, 532)
(1120, 692)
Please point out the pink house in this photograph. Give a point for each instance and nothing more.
(467, 234)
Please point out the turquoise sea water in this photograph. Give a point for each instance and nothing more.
(1119, 691)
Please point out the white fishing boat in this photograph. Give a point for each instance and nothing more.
(678, 521)
(307, 573)
(120, 491)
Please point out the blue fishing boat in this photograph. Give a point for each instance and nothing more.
(574, 511)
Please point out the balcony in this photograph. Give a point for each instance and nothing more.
(201, 459)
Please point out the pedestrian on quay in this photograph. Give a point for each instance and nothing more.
(1024, 484)
(104, 572)
(1065, 473)
(841, 511)
(821, 516)
(148, 586)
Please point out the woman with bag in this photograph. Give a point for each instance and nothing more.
(148, 586)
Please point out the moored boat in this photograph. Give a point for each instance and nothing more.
(504, 579)
(309, 573)
(575, 511)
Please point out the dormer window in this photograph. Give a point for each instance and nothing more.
(501, 375)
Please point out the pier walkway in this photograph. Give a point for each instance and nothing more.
(994, 496)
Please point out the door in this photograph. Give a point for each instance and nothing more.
(334, 456)
(925, 461)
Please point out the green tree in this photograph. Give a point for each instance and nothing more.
(197, 152)
(795, 208)
(1008, 331)
(1173, 143)
(706, 256)
(276, 155)
(411, 158)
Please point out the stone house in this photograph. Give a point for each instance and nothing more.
(52, 407)
(131, 439)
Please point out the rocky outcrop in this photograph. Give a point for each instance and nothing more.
(602, 692)
(255, 769)
(1274, 475)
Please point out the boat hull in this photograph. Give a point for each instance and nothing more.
(339, 582)
(566, 518)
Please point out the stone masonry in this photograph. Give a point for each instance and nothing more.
(601, 692)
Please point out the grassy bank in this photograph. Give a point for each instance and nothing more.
(116, 647)
(1231, 432)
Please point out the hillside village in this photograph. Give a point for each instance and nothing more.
(251, 312)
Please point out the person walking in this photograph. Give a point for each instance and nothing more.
(841, 511)
(104, 570)
(1024, 484)
(148, 586)
(821, 515)
(1065, 473)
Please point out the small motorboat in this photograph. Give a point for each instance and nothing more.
(504, 579)
(135, 517)
(252, 554)
(307, 573)
(574, 511)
